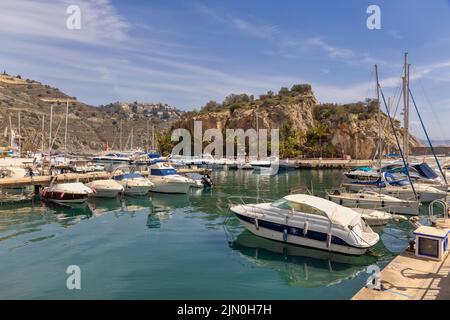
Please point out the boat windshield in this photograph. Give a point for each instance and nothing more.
(301, 207)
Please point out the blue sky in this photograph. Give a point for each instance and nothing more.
(188, 52)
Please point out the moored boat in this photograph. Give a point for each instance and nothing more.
(107, 188)
(133, 183)
(66, 193)
(374, 200)
(165, 179)
(308, 221)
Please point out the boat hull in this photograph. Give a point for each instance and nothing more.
(161, 187)
(130, 190)
(65, 198)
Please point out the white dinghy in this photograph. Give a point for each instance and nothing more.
(308, 221)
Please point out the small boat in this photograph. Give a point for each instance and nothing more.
(112, 158)
(373, 200)
(376, 218)
(165, 179)
(66, 193)
(107, 188)
(133, 183)
(308, 221)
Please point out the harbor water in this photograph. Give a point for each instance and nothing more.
(178, 247)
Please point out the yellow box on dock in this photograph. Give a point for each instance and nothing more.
(431, 243)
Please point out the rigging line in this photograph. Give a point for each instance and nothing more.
(398, 144)
(428, 138)
(422, 87)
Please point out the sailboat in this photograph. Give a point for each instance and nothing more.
(395, 184)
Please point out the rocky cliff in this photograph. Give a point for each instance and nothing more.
(306, 127)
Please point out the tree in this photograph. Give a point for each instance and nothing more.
(317, 134)
(289, 140)
(301, 88)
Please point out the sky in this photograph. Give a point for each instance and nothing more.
(186, 53)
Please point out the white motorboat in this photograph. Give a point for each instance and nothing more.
(133, 183)
(112, 158)
(308, 221)
(165, 179)
(374, 200)
(107, 188)
(376, 218)
(66, 193)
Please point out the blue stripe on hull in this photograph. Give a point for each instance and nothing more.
(294, 231)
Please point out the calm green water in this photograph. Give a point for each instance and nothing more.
(176, 247)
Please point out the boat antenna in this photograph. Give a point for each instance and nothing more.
(398, 144)
(428, 138)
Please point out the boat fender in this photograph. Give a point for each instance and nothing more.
(256, 224)
(341, 201)
(62, 195)
(285, 235)
(305, 228)
(329, 240)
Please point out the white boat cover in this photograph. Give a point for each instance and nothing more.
(76, 187)
(335, 213)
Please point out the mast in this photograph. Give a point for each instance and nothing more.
(131, 144)
(10, 132)
(20, 138)
(406, 108)
(153, 137)
(148, 136)
(42, 131)
(120, 135)
(380, 148)
(257, 135)
(51, 128)
(65, 132)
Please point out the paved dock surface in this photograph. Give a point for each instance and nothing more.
(408, 277)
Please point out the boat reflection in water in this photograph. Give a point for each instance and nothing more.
(299, 266)
(163, 206)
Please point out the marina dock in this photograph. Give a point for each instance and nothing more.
(409, 277)
(44, 181)
(332, 163)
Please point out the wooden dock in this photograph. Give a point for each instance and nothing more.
(408, 277)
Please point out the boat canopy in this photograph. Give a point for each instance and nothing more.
(162, 172)
(334, 212)
(425, 171)
(127, 176)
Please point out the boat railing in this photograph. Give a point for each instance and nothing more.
(248, 201)
(431, 206)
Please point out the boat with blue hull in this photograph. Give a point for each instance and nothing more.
(307, 221)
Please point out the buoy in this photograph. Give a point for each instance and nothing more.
(285, 235)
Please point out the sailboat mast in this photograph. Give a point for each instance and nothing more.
(20, 138)
(10, 132)
(120, 134)
(51, 128)
(406, 108)
(42, 131)
(257, 135)
(148, 136)
(153, 137)
(65, 132)
(380, 138)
